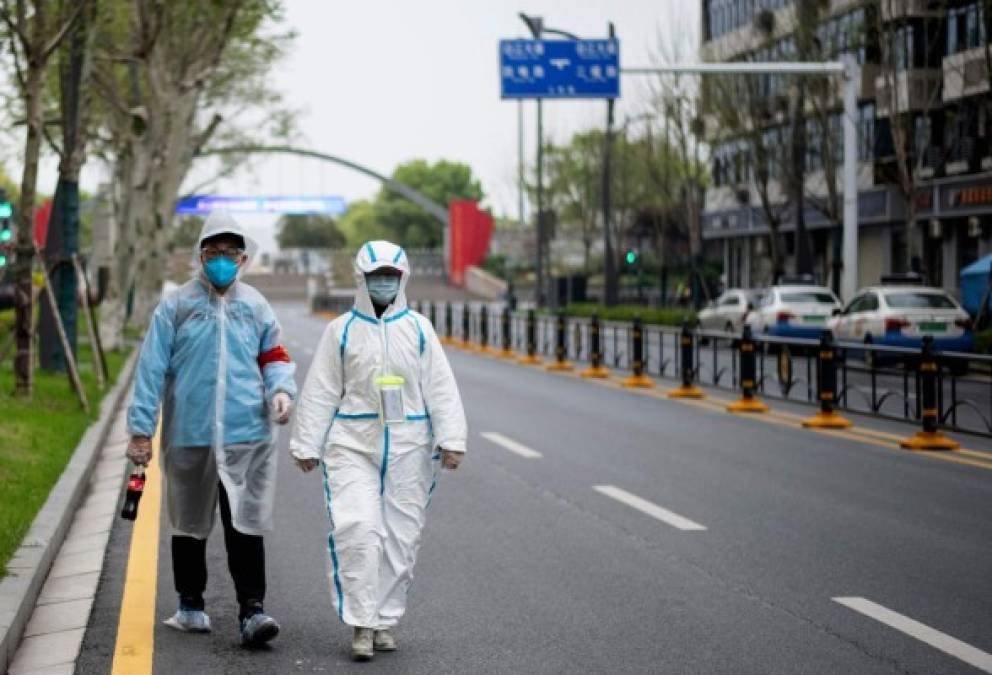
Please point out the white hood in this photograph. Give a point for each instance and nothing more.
(222, 222)
(375, 255)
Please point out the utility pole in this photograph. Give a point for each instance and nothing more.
(610, 295)
(521, 185)
(541, 235)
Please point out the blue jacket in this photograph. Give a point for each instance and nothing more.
(183, 367)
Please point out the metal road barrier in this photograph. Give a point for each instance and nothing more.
(887, 382)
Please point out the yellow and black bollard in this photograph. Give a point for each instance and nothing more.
(448, 324)
(531, 358)
(596, 368)
(826, 385)
(466, 340)
(484, 329)
(748, 402)
(561, 347)
(687, 389)
(638, 379)
(930, 437)
(506, 334)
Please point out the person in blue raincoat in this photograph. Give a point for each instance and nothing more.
(213, 361)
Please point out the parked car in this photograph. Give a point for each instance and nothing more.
(793, 311)
(900, 315)
(728, 311)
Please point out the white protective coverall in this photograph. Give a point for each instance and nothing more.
(378, 479)
(214, 362)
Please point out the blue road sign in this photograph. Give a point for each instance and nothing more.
(559, 68)
(204, 204)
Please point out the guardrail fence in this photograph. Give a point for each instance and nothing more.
(938, 390)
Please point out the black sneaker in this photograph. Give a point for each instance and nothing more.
(258, 629)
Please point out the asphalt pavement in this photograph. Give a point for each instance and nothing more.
(592, 529)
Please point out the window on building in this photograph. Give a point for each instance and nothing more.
(866, 132)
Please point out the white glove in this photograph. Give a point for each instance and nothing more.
(282, 404)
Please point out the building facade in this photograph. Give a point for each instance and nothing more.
(936, 56)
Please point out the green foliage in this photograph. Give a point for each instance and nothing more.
(394, 218)
(665, 316)
(408, 224)
(496, 265)
(298, 230)
(37, 437)
(361, 224)
(983, 341)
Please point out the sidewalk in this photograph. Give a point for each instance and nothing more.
(54, 633)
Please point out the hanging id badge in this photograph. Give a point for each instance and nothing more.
(391, 410)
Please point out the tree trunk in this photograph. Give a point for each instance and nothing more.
(63, 231)
(24, 307)
(62, 243)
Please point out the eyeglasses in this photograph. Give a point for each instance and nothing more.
(232, 254)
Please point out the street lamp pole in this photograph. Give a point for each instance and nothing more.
(535, 25)
(610, 294)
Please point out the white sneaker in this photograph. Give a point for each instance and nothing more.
(189, 621)
(361, 644)
(383, 640)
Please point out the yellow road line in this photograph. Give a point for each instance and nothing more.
(858, 434)
(136, 626)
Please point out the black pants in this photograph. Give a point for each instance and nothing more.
(245, 560)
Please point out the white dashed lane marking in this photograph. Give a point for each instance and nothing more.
(510, 444)
(931, 636)
(650, 508)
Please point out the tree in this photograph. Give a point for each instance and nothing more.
(73, 63)
(360, 224)
(308, 231)
(442, 182)
(36, 33)
(173, 78)
(908, 116)
(572, 175)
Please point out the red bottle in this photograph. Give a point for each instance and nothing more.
(135, 486)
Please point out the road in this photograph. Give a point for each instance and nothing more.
(593, 529)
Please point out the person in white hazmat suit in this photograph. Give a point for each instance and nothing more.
(212, 359)
(379, 411)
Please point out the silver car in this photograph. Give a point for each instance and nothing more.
(728, 311)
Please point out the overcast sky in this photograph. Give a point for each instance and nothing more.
(384, 81)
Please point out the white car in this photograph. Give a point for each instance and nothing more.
(728, 311)
(793, 311)
(900, 315)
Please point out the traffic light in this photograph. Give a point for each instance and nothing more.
(631, 256)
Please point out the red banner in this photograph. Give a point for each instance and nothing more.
(470, 232)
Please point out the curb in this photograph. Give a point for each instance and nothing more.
(19, 590)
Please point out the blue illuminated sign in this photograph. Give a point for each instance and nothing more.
(559, 68)
(204, 204)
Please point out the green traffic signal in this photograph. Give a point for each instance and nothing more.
(3, 260)
(631, 257)
(6, 234)
(6, 210)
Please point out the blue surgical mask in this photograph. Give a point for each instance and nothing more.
(221, 271)
(383, 289)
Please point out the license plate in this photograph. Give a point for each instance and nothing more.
(814, 318)
(932, 327)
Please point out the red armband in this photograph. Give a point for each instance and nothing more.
(277, 354)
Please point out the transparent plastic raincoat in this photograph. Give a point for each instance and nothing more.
(213, 362)
(378, 478)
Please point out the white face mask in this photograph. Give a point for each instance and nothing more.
(382, 289)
